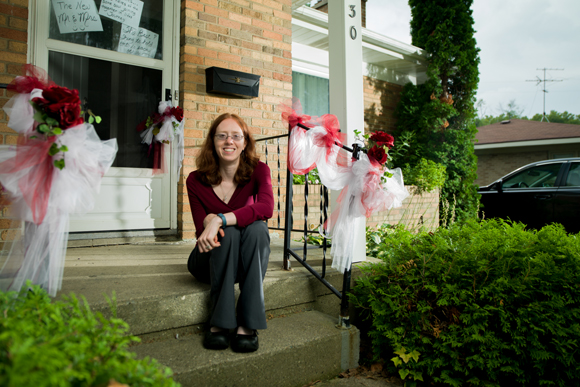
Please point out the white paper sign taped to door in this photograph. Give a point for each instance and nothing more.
(77, 16)
(124, 11)
(138, 41)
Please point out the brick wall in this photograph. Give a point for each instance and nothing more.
(242, 35)
(380, 101)
(491, 167)
(13, 45)
(416, 211)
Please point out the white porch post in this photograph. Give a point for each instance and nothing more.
(346, 85)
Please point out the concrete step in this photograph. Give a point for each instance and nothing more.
(155, 293)
(167, 308)
(294, 350)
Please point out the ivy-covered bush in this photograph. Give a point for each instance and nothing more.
(436, 118)
(486, 303)
(425, 175)
(63, 343)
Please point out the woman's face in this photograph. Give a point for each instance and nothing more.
(229, 149)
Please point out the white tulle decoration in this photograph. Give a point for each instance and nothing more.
(363, 196)
(170, 132)
(363, 192)
(37, 254)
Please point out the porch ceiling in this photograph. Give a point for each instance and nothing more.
(310, 28)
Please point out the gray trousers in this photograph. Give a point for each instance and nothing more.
(242, 257)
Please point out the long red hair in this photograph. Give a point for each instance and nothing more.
(208, 164)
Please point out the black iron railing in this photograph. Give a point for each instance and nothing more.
(289, 226)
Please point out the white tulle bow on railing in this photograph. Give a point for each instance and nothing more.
(164, 128)
(367, 185)
(54, 170)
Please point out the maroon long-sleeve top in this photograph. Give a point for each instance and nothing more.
(249, 202)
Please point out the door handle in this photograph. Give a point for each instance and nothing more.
(543, 197)
(167, 94)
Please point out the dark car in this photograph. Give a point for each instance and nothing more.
(537, 194)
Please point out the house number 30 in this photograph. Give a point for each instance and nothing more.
(352, 29)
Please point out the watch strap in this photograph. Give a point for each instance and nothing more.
(224, 221)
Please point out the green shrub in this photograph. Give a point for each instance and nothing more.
(62, 343)
(426, 175)
(480, 304)
(313, 178)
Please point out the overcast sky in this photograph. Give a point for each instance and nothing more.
(516, 37)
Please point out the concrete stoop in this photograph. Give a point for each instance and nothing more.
(294, 350)
(166, 307)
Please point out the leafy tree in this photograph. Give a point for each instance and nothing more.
(488, 120)
(561, 118)
(512, 110)
(439, 115)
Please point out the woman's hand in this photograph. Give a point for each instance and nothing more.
(208, 240)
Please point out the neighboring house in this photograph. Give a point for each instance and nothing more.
(505, 146)
(283, 41)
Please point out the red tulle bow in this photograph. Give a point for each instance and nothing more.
(33, 78)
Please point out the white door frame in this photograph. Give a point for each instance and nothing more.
(38, 46)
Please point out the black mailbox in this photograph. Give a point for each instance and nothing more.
(230, 82)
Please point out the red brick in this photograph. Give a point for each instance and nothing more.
(18, 23)
(262, 24)
(207, 53)
(208, 18)
(210, 2)
(14, 11)
(229, 57)
(272, 35)
(195, 5)
(217, 12)
(18, 47)
(285, 62)
(229, 23)
(240, 18)
(9, 33)
(218, 63)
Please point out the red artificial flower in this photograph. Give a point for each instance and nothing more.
(62, 104)
(177, 112)
(382, 138)
(378, 154)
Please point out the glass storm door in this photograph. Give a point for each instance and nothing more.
(120, 55)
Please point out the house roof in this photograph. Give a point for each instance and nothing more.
(517, 132)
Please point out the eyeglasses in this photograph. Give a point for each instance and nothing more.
(223, 137)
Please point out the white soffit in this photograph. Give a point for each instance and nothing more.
(310, 28)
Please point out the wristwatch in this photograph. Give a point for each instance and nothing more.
(224, 221)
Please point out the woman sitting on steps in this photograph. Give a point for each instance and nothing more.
(231, 197)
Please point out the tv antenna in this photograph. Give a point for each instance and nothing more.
(538, 81)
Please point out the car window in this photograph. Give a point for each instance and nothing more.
(538, 176)
(573, 179)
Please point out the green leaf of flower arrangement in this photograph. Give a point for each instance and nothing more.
(43, 128)
(98, 119)
(56, 131)
(59, 164)
(51, 121)
(39, 116)
(53, 150)
(91, 119)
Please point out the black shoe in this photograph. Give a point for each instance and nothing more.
(245, 343)
(216, 340)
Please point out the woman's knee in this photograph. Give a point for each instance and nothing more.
(257, 231)
(198, 265)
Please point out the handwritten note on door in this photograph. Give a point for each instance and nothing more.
(138, 41)
(77, 16)
(124, 11)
